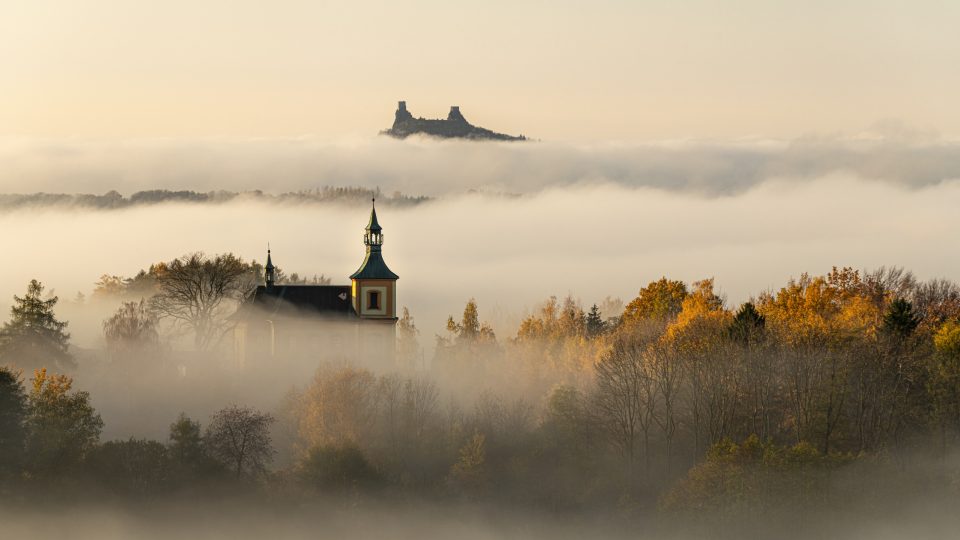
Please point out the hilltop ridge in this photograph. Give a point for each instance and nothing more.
(454, 126)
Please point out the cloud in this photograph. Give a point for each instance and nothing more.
(888, 153)
(511, 253)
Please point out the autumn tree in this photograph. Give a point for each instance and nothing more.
(33, 337)
(197, 293)
(468, 346)
(339, 406)
(660, 300)
(63, 427)
(468, 476)
(143, 285)
(469, 330)
(697, 337)
(239, 438)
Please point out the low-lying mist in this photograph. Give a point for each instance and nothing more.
(511, 253)
(888, 152)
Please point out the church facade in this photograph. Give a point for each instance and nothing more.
(351, 324)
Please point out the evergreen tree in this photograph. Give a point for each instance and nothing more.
(13, 412)
(748, 325)
(900, 321)
(33, 337)
(595, 323)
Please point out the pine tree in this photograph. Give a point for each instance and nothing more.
(900, 320)
(748, 325)
(13, 431)
(33, 337)
(595, 323)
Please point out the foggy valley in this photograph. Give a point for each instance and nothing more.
(514, 394)
(491, 270)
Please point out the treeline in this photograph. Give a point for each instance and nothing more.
(832, 392)
(50, 447)
(114, 200)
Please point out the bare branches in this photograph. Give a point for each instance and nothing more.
(198, 293)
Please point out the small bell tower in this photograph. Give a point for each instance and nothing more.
(374, 286)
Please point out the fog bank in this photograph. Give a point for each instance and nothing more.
(889, 152)
(511, 253)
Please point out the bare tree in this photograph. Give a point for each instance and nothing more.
(239, 437)
(197, 293)
(132, 328)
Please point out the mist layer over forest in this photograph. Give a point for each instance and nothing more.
(511, 253)
(676, 407)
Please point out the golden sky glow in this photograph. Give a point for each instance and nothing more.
(551, 69)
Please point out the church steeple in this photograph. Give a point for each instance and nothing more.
(374, 234)
(269, 273)
(373, 266)
(374, 284)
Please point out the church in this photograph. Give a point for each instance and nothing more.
(351, 324)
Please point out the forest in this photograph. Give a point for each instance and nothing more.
(113, 200)
(833, 395)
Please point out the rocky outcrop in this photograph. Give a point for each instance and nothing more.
(455, 126)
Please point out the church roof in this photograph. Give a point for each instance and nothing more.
(302, 300)
(374, 267)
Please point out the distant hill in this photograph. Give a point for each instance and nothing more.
(455, 126)
(114, 200)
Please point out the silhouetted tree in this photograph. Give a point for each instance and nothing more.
(136, 468)
(747, 326)
(339, 469)
(900, 320)
(199, 292)
(595, 323)
(63, 426)
(132, 329)
(33, 337)
(13, 416)
(239, 438)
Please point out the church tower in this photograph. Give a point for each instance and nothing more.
(374, 286)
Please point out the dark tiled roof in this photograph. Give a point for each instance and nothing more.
(302, 300)
(373, 267)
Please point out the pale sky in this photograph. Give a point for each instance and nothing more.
(554, 70)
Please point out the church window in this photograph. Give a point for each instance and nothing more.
(373, 300)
